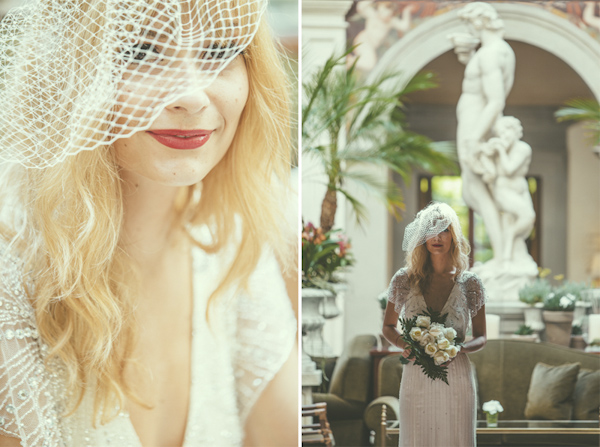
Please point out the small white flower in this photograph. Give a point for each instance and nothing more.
(452, 351)
(426, 339)
(430, 349)
(492, 407)
(416, 333)
(441, 357)
(565, 301)
(443, 343)
(423, 321)
(450, 333)
(436, 329)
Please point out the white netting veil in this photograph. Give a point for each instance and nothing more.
(429, 222)
(79, 74)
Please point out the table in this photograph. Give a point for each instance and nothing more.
(567, 433)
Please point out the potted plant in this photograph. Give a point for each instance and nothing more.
(525, 333)
(350, 127)
(533, 296)
(558, 316)
(324, 256)
(491, 410)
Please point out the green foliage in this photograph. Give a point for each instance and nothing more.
(535, 292)
(564, 296)
(524, 330)
(351, 126)
(576, 330)
(582, 109)
(323, 254)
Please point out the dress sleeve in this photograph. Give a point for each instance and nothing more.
(27, 410)
(266, 331)
(475, 293)
(399, 289)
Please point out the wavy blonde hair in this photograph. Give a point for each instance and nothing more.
(66, 224)
(418, 261)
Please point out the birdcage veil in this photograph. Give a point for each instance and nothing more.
(78, 74)
(429, 222)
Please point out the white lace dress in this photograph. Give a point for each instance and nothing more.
(432, 413)
(228, 374)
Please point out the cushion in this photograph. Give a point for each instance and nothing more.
(586, 397)
(550, 393)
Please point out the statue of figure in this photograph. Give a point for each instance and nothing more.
(379, 21)
(493, 160)
(488, 78)
(511, 191)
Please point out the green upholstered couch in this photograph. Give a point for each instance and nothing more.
(503, 369)
(350, 392)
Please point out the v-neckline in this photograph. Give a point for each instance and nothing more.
(447, 298)
(195, 308)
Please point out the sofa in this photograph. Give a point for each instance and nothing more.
(504, 371)
(350, 392)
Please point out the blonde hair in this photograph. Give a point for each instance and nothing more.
(66, 224)
(418, 261)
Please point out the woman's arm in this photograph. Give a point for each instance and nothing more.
(390, 323)
(479, 333)
(273, 420)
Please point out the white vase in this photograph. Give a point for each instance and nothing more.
(533, 317)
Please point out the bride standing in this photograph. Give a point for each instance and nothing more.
(431, 412)
(141, 298)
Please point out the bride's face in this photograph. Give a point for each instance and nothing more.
(441, 243)
(190, 135)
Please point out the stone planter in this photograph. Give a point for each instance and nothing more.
(533, 317)
(558, 327)
(313, 321)
(577, 342)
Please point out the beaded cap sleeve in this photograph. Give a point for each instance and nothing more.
(474, 292)
(399, 289)
(265, 334)
(27, 410)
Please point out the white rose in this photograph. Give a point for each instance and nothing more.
(426, 339)
(450, 333)
(492, 407)
(423, 321)
(443, 343)
(452, 351)
(430, 349)
(436, 330)
(440, 357)
(416, 333)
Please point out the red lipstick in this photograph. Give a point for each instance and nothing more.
(181, 139)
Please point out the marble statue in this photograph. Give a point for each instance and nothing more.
(492, 158)
(510, 191)
(379, 21)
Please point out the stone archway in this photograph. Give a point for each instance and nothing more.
(524, 23)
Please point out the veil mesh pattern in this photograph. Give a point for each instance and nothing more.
(79, 74)
(429, 222)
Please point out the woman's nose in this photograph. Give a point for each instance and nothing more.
(193, 101)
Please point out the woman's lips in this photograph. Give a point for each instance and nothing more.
(181, 139)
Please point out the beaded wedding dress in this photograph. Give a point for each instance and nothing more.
(432, 413)
(228, 373)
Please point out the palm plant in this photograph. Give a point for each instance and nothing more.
(582, 109)
(351, 126)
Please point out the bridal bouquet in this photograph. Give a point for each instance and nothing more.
(431, 343)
